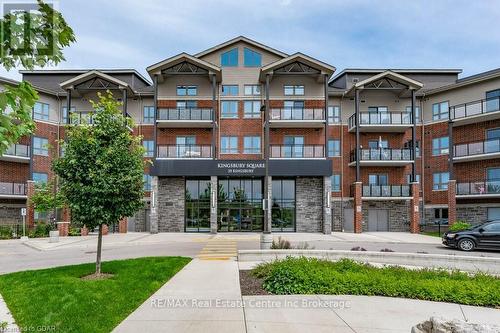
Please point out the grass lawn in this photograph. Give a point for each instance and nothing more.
(346, 277)
(59, 300)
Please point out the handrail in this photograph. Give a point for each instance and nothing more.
(476, 148)
(479, 188)
(297, 151)
(12, 188)
(475, 108)
(382, 118)
(382, 154)
(184, 151)
(185, 114)
(18, 150)
(386, 191)
(297, 114)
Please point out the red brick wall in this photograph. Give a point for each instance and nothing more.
(14, 172)
(44, 163)
(434, 164)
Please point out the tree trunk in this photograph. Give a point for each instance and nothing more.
(99, 247)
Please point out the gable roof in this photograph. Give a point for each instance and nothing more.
(241, 39)
(412, 84)
(488, 75)
(175, 60)
(68, 84)
(323, 67)
(81, 71)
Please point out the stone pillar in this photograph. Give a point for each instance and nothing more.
(213, 204)
(269, 202)
(105, 229)
(327, 206)
(358, 207)
(63, 228)
(452, 202)
(122, 226)
(30, 209)
(84, 231)
(153, 216)
(66, 214)
(414, 208)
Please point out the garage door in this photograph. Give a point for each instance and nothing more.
(494, 213)
(378, 220)
(348, 220)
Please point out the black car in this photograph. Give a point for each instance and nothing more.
(483, 236)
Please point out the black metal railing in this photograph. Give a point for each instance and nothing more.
(18, 150)
(12, 188)
(297, 114)
(297, 151)
(184, 151)
(382, 154)
(475, 108)
(382, 118)
(185, 114)
(477, 148)
(479, 188)
(386, 191)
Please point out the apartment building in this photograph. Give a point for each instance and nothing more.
(245, 137)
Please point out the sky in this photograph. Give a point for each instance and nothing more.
(346, 34)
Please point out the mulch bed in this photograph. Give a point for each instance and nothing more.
(95, 276)
(250, 285)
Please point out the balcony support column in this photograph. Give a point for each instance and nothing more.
(415, 208)
(414, 136)
(356, 118)
(450, 149)
(124, 101)
(214, 107)
(452, 201)
(155, 106)
(327, 207)
(213, 204)
(358, 208)
(325, 114)
(30, 208)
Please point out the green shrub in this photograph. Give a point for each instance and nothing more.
(459, 226)
(41, 230)
(346, 277)
(6, 232)
(74, 231)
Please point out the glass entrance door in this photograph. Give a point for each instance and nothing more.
(197, 202)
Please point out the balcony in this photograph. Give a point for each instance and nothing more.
(382, 157)
(297, 151)
(395, 122)
(381, 192)
(17, 153)
(476, 111)
(184, 151)
(481, 189)
(12, 190)
(297, 118)
(475, 151)
(185, 117)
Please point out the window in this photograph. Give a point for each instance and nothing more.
(293, 90)
(335, 179)
(440, 146)
(229, 145)
(293, 110)
(493, 100)
(230, 90)
(186, 104)
(493, 174)
(408, 178)
(283, 205)
(440, 180)
(65, 114)
(378, 179)
(251, 58)
(40, 146)
(293, 146)
(440, 111)
(251, 145)
(149, 146)
(333, 148)
(147, 182)
(417, 112)
(229, 109)
(185, 140)
(493, 227)
(41, 111)
(148, 115)
(334, 114)
(187, 90)
(252, 89)
(40, 177)
(251, 109)
(441, 213)
(229, 58)
(378, 144)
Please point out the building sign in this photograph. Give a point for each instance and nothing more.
(241, 168)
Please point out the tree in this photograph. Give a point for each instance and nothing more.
(46, 198)
(101, 172)
(27, 39)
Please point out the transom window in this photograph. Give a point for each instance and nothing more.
(40, 146)
(148, 114)
(187, 90)
(292, 90)
(334, 115)
(229, 109)
(440, 146)
(252, 90)
(251, 145)
(440, 110)
(229, 144)
(251, 58)
(41, 111)
(230, 90)
(333, 148)
(229, 58)
(335, 180)
(440, 180)
(149, 148)
(251, 109)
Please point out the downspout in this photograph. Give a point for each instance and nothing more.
(422, 157)
(341, 163)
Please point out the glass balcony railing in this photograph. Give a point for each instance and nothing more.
(184, 151)
(479, 188)
(297, 114)
(475, 108)
(12, 188)
(382, 118)
(477, 148)
(382, 154)
(185, 114)
(18, 150)
(297, 151)
(386, 191)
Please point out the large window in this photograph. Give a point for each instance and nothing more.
(148, 115)
(40, 146)
(283, 205)
(293, 110)
(251, 109)
(293, 146)
(378, 179)
(229, 109)
(187, 90)
(334, 115)
(41, 111)
(229, 58)
(333, 148)
(251, 58)
(289, 90)
(147, 182)
(184, 145)
(149, 147)
(440, 111)
(440, 146)
(493, 174)
(252, 90)
(441, 214)
(197, 205)
(440, 180)
(417, 112)
(493, 100)
(229, 145)
(40, 177)
(335, 179)
(251, 145)
(230, 90)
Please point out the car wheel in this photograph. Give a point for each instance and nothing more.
(466, 244)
